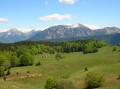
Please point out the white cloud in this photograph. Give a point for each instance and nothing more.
(56, 17)
(68, 1)
(3, 20)
(93, 27)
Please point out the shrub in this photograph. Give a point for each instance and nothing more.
(17, 73)
(28, 71)
(65, 84)
(4, 78)
(51, 83)
(59, 56)
(1, 71)
(118, 77)
(114, 49)
(39, 63)
(8, 72)
(86, 69)
(90, 50)
(94, 80)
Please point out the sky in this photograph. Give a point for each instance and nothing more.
(40, 14)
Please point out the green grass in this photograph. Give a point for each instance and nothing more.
(72, 66)
(13, 85)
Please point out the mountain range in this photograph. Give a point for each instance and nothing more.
(14, 35)
(56, 32)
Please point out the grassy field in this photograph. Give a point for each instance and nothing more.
(72, 67)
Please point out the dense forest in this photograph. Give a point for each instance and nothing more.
(22, 53)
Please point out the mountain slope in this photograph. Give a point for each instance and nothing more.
(14, 35)
(75, 30)
(107, 30)
(55, 32)
(109, 38)
(63, 31)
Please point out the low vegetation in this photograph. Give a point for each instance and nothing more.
(59, 56)
(114, 49)
(94, 80)
(65, 84)
(51, 83)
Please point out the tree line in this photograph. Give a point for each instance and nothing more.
(22, 53)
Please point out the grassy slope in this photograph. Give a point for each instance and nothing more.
(73, 66)
(13, 85)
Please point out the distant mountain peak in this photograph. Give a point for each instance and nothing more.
(14, 35)
(14, 31)
(58, 31)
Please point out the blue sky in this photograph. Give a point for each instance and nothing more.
(39, 14)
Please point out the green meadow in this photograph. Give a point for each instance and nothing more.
(72, 67)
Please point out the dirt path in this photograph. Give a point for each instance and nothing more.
(24, 76)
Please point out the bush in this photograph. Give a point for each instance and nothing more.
(8, 72)
(4, 78)
(86, 69)
(65, 84)
(51, 83)
(1, 71)
(17, 73)
(39, 63)
(94, 80)
(90, 50)
(26, 59)
(59, 56)
(28, 71)
(114, 49)
(118, 77)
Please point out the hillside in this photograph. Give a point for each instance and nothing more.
(14, 35)
(110, 39)
(72, 66)
(70, 31)
(13, 85)
(62, 31)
